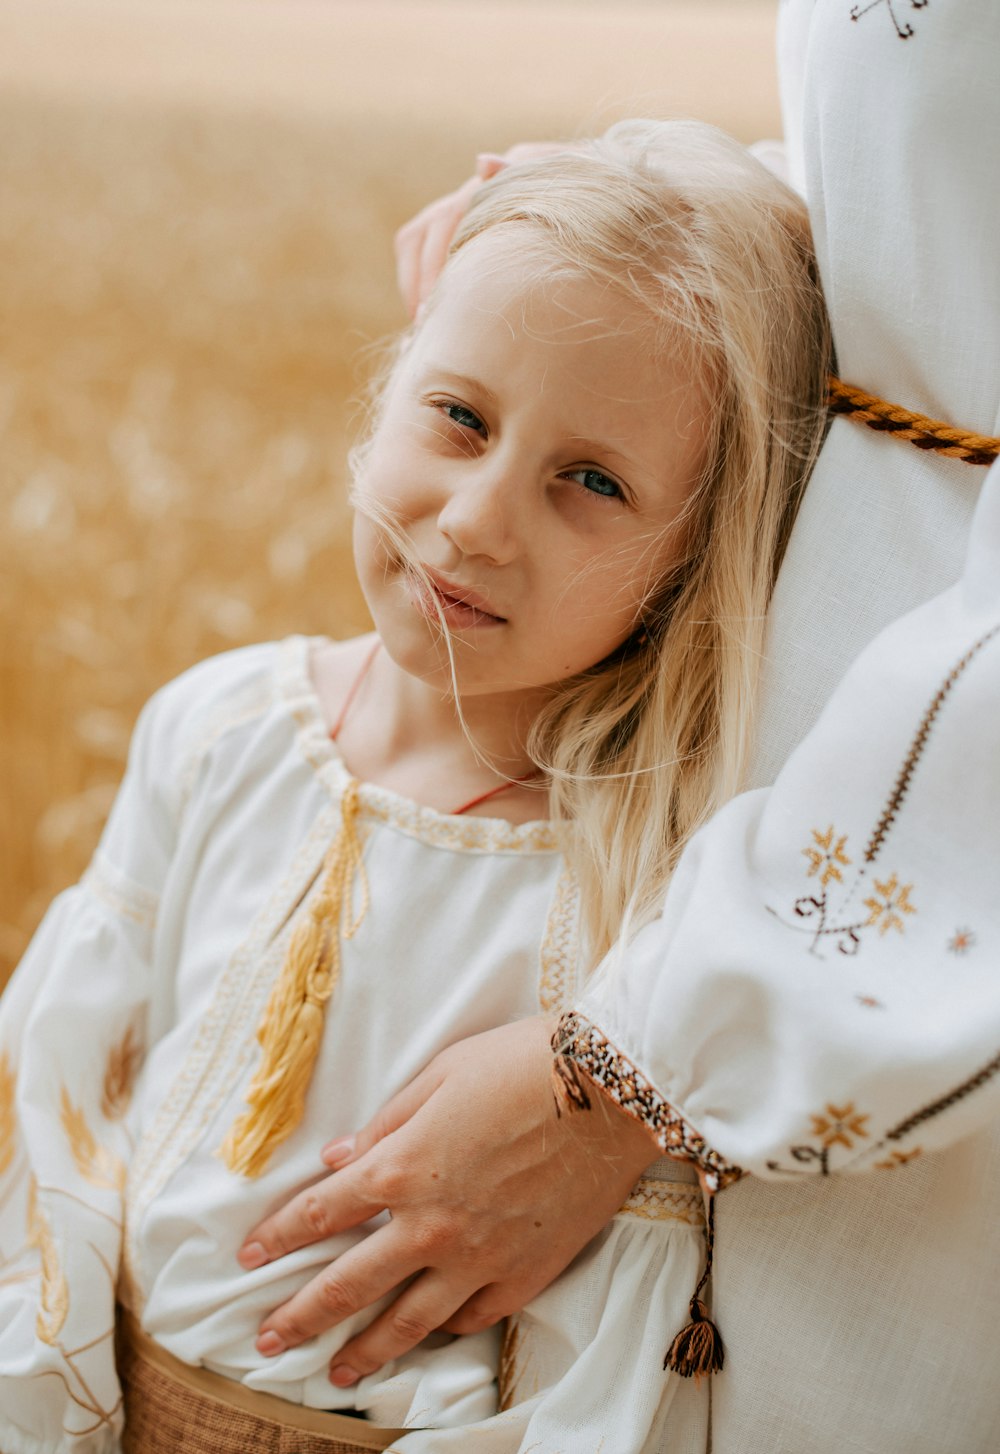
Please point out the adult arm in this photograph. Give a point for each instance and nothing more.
(819, 996)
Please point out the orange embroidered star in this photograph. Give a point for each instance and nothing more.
(825, 854)
(898, 1158)
(839, 1126)
(888, 904)
(961, 941)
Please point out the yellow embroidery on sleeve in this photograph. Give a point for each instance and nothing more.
(839, 1125)
(888, 904)
(825, 854)
(93, 1161)
(122, 1068)
(54, 1294)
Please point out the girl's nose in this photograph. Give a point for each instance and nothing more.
(480, 515)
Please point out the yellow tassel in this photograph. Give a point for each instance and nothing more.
(292, 1028)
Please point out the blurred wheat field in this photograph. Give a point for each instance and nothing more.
(196, 211)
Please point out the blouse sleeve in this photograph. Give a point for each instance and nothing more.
(73, 1028)
(820, 993)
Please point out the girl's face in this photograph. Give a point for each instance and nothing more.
(537, 457)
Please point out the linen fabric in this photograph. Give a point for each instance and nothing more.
(127, 1041)
(857, 1310)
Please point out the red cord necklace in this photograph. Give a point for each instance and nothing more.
(335, 730)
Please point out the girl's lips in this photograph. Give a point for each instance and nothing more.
(458, 606)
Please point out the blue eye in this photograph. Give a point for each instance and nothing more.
(459, 414)
(597, 483)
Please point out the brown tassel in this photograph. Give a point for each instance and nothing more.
(291, 1030)
(697, 1350)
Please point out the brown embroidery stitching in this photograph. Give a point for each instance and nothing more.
(580, 1047)
(858, 12)
(890, 902)
(821, 1154)
(944, 1103)
(902, 784)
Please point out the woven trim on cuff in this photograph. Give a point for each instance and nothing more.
(580, 1041)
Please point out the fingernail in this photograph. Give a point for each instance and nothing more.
(337, 1152)
(343, 1376)
(270, 1343)
(251, 1255)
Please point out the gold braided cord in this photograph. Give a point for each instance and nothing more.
(292, 1027)
(916, 429)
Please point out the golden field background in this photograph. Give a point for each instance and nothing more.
(197, 203)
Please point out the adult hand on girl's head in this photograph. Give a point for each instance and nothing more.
(422, 243)
(491, 1192)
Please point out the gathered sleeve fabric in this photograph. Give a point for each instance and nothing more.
(75, 1021)
(820, 993)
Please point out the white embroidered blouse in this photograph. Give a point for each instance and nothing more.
(127, 1039)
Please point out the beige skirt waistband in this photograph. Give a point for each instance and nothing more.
(170, 1406)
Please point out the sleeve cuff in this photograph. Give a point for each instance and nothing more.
(580, 1042)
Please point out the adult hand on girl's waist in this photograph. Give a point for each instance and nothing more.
(492, 1193)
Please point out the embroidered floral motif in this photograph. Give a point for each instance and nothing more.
(839, 1125)
(122, 1067)
(53, 1312)
(826, 856)
(889, 901)
(54, 1294)
(888, 904)
(962, 941)
(905, 30)
(93, 1161)
(898, 1158)
(586, 1049)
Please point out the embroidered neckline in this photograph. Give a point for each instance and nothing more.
(296, 691)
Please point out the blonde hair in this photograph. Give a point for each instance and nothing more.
(679, 219)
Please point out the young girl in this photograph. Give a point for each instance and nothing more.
(329, 861)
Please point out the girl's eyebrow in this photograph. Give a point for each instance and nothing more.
(462, 381)
(604, 449)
